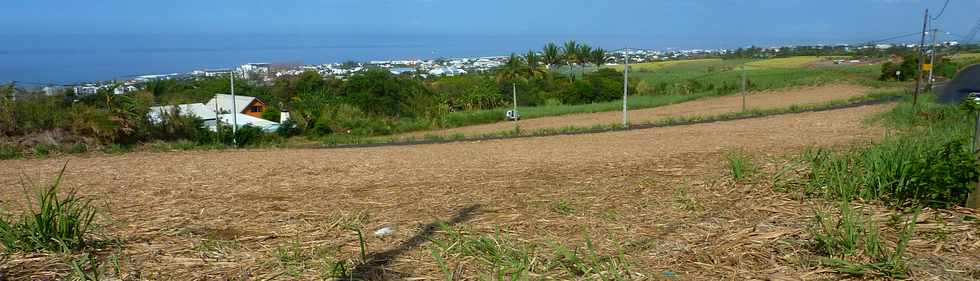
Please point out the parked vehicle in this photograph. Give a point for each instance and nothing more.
(513, 115)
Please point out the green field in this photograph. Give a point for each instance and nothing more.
(694, 79)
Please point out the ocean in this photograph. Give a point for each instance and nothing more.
(68, 59)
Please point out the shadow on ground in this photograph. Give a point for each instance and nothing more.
(374, 267)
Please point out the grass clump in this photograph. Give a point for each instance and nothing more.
(588, 263)
(928, 162)
(52, 223)
(740, 165)
(563, 207)
(502, 258)
(853, 244)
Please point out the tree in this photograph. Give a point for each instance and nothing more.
(598, 57)
(533, 68)
(570, 55)
(513, 71)
(551, 54)
(584, 51)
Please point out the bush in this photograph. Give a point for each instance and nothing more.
(53, 223)
(9, 152)
(288, 129)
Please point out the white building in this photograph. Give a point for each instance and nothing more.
(124, 89)
(219, 110)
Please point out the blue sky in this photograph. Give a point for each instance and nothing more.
(726, 20)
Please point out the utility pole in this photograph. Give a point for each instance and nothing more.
(918, 80)
(626, 88)
(514, 92)
(973, 199)
(744, 86)
(234, 111)
(932, 56)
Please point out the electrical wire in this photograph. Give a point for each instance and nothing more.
(941, 12)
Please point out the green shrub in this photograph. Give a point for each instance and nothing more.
(78, 148)
(9, 152)
(53, 223)
(288, 129)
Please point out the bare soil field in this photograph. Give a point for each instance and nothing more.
(659, 197)
(703, 107)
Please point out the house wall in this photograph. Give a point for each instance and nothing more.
(255, 108)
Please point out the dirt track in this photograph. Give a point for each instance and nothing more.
(703, 107)
(165, 205)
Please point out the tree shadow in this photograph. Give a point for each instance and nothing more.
(374, 267)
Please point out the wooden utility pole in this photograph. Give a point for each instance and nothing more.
(918, 80)
(932, 57)
(973, 200)
(744, 88)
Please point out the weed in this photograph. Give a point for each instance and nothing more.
(53, 223)
(502, 258)
(78, 148)
(853, 245)
(88, 267)
(563, 207)
(740, 165)
(589, 263)
(291, 258)
(353, 222)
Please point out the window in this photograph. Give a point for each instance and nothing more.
(256, 109)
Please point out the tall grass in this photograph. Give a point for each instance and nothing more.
(925, 161)
(53, 223)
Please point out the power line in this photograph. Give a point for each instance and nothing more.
(942, 11)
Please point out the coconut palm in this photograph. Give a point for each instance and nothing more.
(513, 71)
(598, 57)
(552, 55)
(533, 68)
(584, 51)
(570, 55)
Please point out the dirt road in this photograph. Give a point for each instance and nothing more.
(703, 107)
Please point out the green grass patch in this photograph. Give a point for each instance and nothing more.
(927, 161)
(54, 222)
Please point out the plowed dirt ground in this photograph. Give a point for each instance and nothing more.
(660, 195)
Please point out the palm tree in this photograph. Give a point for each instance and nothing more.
(584, 51)
(533, 68)
(570, 55)
(598, 57)
(552, 55)
(513, 71)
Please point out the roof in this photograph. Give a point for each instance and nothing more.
(198, 110)
(247, 120)
(224, 103)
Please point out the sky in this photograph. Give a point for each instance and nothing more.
(734, 21)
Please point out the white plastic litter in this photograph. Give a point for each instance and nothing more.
(384, 232)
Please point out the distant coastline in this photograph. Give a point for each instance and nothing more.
(74, 59)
